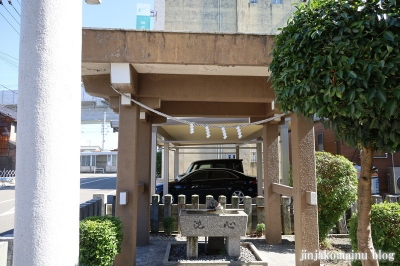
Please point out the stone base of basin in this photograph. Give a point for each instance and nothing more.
(248, 245)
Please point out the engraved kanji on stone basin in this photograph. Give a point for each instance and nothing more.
(230, 224)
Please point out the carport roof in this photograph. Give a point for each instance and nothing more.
(212, 78)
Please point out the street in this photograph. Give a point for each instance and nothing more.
(90, 184)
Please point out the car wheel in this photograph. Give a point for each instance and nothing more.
(239, 193)
(173, 200)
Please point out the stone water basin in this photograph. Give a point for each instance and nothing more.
(229, 224)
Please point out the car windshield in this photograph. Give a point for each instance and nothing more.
(189, 169)
(197, 166)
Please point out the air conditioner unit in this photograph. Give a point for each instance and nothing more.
(393, 175)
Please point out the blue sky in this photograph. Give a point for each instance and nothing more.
(109, 14)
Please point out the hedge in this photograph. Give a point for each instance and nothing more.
(100, 239)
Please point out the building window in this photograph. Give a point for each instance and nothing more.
(85, 160)
(320, 144)
(276, 1)
(112, 160)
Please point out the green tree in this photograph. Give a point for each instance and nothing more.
(340, 60)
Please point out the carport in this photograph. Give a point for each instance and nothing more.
(222, 76)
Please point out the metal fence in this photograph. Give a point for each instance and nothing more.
(7, 176)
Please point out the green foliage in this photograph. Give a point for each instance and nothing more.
(336, 187)
(340, 60)
(168, 224)
(385, 227)
(260, 229)
(100, 239)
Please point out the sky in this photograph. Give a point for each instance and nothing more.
(109, 14)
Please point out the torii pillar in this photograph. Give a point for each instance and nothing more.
(47, 193)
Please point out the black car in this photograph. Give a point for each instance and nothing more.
(234, 164)
(215, 182)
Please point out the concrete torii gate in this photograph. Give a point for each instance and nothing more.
(195, 74)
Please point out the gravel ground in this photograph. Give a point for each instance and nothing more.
(178, 253)
(275, 255)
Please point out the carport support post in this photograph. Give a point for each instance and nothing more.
(128, 181)
(176, 162)
(46, 224)
(272, 200)
(260, 179)
(144, 146)
(303, 166)
(153, 160)
(166, 168)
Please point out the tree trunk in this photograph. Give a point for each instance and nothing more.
(365, 245)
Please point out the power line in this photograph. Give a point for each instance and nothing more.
(9, 55)
(9, 89)
(5, 59)
(9, 62)
(1, 3)
(9, 23)
(10, 97)
(9, 1)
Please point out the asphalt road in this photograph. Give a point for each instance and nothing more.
(90, 184)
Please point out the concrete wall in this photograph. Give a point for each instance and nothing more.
(224, 15)
(264, 17)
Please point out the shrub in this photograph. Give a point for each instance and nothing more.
(100, 239)
(260, 229)
(117, 223)
(385, 231)
(336, 187)
(168, 224)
